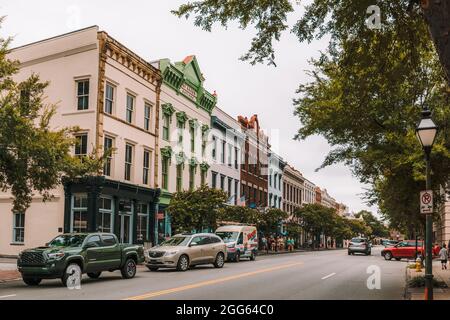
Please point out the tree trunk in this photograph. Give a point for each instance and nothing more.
(437, 16)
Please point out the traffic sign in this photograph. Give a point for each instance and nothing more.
(426, 201)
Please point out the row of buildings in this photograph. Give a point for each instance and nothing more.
(167, 134)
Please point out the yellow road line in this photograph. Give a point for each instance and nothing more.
(210, 282)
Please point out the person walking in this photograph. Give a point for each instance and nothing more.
(265, 244)
(443, 255)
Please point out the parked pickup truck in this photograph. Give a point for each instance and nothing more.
(68, 256)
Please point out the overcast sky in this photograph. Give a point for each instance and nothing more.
(149, 29)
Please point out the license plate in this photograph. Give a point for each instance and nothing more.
(153, 261)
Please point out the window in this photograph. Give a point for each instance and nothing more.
(79, 213)
(94, 241)
(275, 181)
(180, 127)
(236, 157)
(222, 182)
(191, 177)
(81, 145)
(166, 125)
(165, 173)
(179, 177)
(230, 154)
(147, 116)
(142, 221)
(109, 98)
(236, 188)
(104, 215)
(83, 94)
(192, 133)
(214, 150)
(19, 227)
(230, 185)
(128, 161)
(109, 240)
(146, 169)
(107, 145)
(270, 178)
(130, 108)
(214, 180)
(223, 151)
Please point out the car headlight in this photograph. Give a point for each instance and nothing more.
(56, 255)
(170, 253)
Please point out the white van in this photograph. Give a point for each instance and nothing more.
(241, 241)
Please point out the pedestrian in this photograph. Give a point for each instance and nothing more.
(290, 244)
(265, 245)
(272, 243)
(443, 255)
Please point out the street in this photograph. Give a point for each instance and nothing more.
(307, 275)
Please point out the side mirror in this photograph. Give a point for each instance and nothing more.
(193, 244)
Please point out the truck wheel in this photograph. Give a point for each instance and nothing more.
(183, 263)
(32, 281)
(253, 256)
(237, 258)
(128, 270)
(94, 275)
(220, 260)
(152, 268)
(72, 276)
(388, 256)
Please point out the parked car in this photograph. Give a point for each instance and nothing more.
(68, 256)
(390, 243)
(241, 241)
(359, 245)
(404, 249)
(186, 250)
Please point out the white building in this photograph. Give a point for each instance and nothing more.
(276, 167)
(308, 192)
(225, 159)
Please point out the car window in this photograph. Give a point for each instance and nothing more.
(403, 244)
(95, 240)
(67, 241)
(215, 240)
(241, 239)
(358, 240)
(201, 240)
(108, 240)
(176, 241)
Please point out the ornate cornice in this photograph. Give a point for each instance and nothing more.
(193, 162)
(194, 124)
(204, 166)
(166, 152)
(181, 157)
(205, 128)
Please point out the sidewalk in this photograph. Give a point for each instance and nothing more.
(438, 293)
(8, 270)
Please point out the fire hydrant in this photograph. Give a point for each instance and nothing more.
(418, 265)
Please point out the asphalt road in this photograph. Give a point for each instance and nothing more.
(308, 275)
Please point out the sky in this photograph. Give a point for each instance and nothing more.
(150, 30)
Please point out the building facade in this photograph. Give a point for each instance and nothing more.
(327, 200)
(225, 155)
(276, 167)
(442, 227)
(254, 165)
(308, 194)
(112, 95)
(293, 186)
(184, 126)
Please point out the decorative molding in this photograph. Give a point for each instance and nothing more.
(193, 162)
(166, 152)
(205, 128)
(204, 166)
(182, 117)
(180, 158)
(194, 124)
(168, 109)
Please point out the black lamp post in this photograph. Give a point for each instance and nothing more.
(426, 133)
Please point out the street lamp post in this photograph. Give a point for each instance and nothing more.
(426, 133)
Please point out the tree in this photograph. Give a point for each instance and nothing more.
(378, 78)
(316, 219)
(33, 157)
(197, 209)
(358, 228)
(271, 220)
(378, 230)
(240, 214)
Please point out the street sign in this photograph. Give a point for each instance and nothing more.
(426, 201)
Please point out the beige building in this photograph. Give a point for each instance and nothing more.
(442, 227)
(112, 95)
(293, 184)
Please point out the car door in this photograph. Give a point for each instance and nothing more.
(93, 247)
(212, 248)
(401, 250)
(111, 253)
(195, 251)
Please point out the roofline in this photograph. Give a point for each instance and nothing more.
(54, 37)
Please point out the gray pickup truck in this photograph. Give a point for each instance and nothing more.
(68, 256)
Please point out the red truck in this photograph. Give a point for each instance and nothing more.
(404, 249)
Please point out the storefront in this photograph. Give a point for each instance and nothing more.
(97, 204)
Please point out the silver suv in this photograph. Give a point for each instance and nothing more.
(359, 245)
(187, 250)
